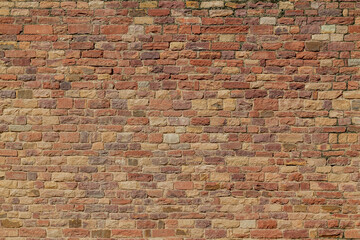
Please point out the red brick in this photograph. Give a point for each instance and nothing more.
(236, 85)
(263, 55)
(224, 29)
(69, 137)
(197, 62)
(114, 29)
(32, 232)
(8, 153)
(341, 46)
(160, 104)
(140, 177)
(261, 30)
(158, 12)
(352, 234)
(294, 46)
(163, 233)
(98, 103)
(266, 104)
(16, 175)
(76, 232)
(296, 234)
(30, 136)
(211, 234)
(65, 103)
(200, 121)
(138, 121)
(184, 185)
(225, 46)
(10, 29)
(79, 28)
(38, 29)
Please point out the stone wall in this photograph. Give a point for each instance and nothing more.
(179, 119)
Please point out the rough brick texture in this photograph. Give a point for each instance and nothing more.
(179, 119)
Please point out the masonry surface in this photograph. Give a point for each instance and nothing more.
(179, 119)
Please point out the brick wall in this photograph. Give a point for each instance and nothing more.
(181, 120)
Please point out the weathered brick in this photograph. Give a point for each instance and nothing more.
(10, 29)
(7, 223)
(114, 29)
(38, 29)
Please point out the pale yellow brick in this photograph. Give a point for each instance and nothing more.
(320, 37)
(352, 94)
(326, 63)
(220, 13)
(290, 138)
(333, 138)
(212, 4)
(237, 161)
(194, 129)
(318, 86)
(221, 177)
(342, 29)
(329, 94)
(229, 201)
(336, 37)
(341, 104)
(98, 146)
(176, 46)
(4, 11)
(49, 4)
(134, 104)
(215, 104)
(225, 224)
(338, 177)
(62, 177)
(50, 185)
(325, 121)
(230, 70)
(96, 4)
(328, 29)
(157, 121)
(347, 138)
(286, 5)
(218, 137)
(54, 232)
(229, 104)
(227, 38)
(192, 4)
(88, 94)
(313, 105)
(223, 94)
(293, 104)
(127, 224)
(149, 4)
(20, 12)
(205, 146)
(199, 104)
(324, 169)
(77, 160)
(144, 20)
(8, 136)
(246, 224)
(258, 161)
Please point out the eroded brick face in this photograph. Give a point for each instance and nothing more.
(179, 119)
